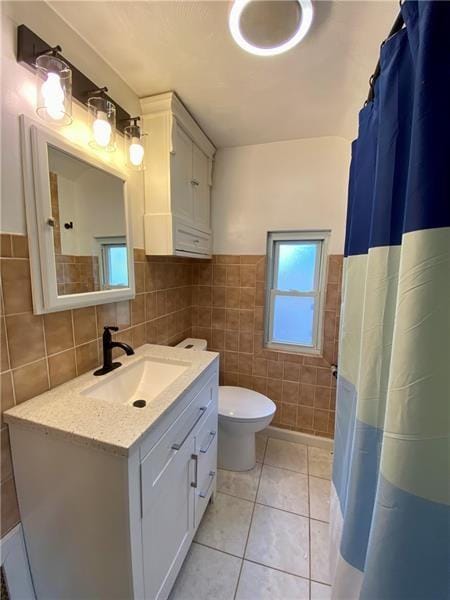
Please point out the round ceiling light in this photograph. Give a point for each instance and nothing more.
(236, 29)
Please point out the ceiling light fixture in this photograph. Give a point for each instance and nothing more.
(235, 29)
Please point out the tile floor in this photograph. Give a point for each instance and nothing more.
(266, 535)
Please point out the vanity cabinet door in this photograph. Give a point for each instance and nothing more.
(167, 528)
(181, 176)
(200, 183)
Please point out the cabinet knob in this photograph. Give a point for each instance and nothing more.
(195, 182)
(51, 221)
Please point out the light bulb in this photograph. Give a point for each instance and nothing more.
(53, 95)
(136, 152)
(102, 129)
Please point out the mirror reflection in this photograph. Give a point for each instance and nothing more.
(89, 227)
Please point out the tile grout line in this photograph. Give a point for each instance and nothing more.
(8, 354)
(46, 354)
(255, 562)
(309, 521)
(277, 569)
(251, 519)
(289, 512)
(73, 340)
(299, 472)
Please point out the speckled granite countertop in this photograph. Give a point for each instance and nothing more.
(105, 424)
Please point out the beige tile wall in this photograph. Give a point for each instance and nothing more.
(39, 352)
(228, 311)
(221, 300)
(77, 274)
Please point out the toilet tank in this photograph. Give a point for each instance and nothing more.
(192, 344)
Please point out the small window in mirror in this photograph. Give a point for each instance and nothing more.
(114, 264)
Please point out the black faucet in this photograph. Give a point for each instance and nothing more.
(108, 345)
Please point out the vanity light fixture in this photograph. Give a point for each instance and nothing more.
(102, 121)
(58, 81)
(53, 88)
(135, 141)
(234, 23)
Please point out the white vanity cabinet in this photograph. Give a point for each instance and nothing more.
(176, 491)
(178, 179)
(103, 524)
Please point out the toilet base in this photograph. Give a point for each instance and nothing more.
(236, 452)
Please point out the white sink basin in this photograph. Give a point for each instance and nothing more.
(142, 380)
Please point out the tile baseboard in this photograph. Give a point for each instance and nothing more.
(298, 437)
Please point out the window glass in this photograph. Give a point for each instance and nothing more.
(296, 266)
(295, 290)
(293, 320)
(117, 266)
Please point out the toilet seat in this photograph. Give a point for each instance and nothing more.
(243, 405)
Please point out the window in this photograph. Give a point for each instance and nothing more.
(114, 263)
(296, 268)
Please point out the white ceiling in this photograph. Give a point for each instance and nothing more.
(314, 90)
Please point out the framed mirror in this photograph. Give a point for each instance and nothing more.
(78, 222)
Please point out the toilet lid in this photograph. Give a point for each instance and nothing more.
(241, 404)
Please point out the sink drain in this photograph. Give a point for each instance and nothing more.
(139, 403)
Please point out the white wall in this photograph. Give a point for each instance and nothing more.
(282, 185)
(67, 212)
(100, 213)
(298, 184)
(18, 96)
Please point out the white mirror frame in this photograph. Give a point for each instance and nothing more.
(35, 140)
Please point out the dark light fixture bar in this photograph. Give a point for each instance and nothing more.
(30, 45)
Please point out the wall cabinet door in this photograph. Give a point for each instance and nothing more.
(200, 183)
(182, 196)
(167, 524)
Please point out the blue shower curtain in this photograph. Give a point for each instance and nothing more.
(390, 515)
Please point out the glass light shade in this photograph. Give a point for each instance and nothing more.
(53, 90)
(135, 141)
(102, 123)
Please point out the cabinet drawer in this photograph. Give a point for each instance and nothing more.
(206, 439)
(191, 241)
(162, 454)
(204, 495)
(206, 453)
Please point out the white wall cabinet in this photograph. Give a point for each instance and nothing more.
(201, 189)
(181, 177)
(102, 525)
(178, 179)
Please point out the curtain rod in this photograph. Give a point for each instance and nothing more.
(398, 24)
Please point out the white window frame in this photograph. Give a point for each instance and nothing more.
(103, 244)
(274, 238)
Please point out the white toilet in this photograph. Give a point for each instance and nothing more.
(242, 413)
